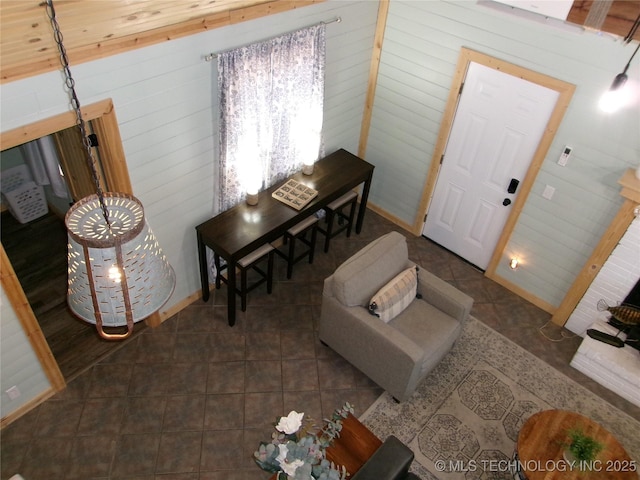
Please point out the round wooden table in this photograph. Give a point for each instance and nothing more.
(541, 443)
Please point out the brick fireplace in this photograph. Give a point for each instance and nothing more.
(617, 277)
(616, 282)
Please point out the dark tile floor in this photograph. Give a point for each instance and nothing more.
(192, 398)
(37, 251)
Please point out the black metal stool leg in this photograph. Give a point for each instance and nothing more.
(270, 273)
(330, 217)
(291, 258)
(216, 262)
(312, 246)
(243, 289)
(352, 214)
(299, 233)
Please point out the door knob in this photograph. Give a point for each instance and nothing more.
(506, 202)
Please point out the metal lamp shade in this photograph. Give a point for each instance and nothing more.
(118, 275)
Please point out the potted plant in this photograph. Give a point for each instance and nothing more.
(297, 450)
(581, 449)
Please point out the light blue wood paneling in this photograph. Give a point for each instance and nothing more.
(420, 51)
(18, 364)
(164, 97)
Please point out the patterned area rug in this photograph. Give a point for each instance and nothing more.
(464, 420)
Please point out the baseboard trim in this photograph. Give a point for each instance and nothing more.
(173, 310)
(30, 405)
(538, 302)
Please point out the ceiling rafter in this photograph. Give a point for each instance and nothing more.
(98, 29)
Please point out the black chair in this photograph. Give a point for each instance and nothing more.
(246, 264)
(299, 232)
(389, 462)
(345, 221)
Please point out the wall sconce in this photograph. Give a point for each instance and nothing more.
(616, 97)
(513, 263)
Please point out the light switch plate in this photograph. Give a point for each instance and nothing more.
(13, 392)
(548, 192)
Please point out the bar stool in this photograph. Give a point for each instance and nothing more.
(299, 232)
(246, 264)
(334, 209)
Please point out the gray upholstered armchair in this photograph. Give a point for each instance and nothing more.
(398, 352)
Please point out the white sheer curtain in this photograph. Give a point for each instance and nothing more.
(271, 105)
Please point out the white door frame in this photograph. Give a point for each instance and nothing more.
(565, 91)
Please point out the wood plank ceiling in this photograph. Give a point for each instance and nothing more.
(95, 29)
(617, 16)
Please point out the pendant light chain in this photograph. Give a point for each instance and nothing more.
(75, 103)
(632, 30)
(117, 272)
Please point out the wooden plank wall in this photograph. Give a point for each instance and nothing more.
(22, 368)
(421, 46)
(164, 97)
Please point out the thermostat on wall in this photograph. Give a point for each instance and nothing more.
(564, 157)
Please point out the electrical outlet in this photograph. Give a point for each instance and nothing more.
(13, 392)
(548, 192)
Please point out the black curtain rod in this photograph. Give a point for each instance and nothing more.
(211, 56)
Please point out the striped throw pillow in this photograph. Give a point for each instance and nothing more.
(395, 296)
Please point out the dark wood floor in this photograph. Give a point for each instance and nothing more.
(38, 252)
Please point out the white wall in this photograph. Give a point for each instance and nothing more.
(420, 51)
(164, 99)
(20, 367)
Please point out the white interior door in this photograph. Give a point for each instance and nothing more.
(498, 125)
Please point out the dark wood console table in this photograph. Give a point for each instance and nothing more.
(238, 231)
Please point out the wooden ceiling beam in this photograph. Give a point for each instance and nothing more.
(619, 19)
(91, 31)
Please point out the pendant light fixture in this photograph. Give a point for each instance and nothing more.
(614, 98)
(117, 274)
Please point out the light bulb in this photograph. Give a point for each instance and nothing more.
(617, 96)
(612, 100)
(115, 274)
